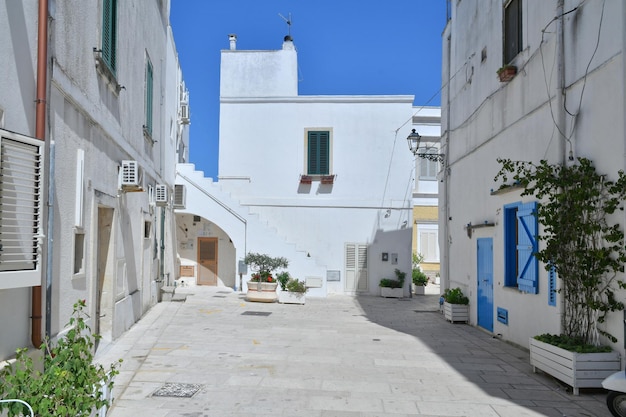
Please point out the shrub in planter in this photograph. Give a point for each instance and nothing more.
(394, 283)
(455, 296)
(69, 384)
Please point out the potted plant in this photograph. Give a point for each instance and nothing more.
(70, 384)
(587, 253)
(293, 293)
(262, 284)
(419, 278)
(393, 288)
(506, 72)
(455, 305)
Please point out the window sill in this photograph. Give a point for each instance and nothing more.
(507, 188)
(103, 69)
(323, 179)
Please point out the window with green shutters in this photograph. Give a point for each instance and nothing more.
(148, 99)
(109, 34)
(318, 153)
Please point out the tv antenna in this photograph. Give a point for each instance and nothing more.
(288, 21)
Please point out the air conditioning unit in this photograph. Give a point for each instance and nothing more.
(179, 196)
(184, 113)
(130, 176)
(160, 197)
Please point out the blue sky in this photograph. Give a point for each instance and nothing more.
(349, 47)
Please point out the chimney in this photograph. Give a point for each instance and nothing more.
(233, 41)
(288, 43)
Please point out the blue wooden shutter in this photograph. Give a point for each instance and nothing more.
(318, 153)
(527, 264)
(109, 33)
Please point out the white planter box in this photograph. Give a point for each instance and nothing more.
(286, 297)
(456, 312)
(391, 292)
(578, 370)
(419, 289)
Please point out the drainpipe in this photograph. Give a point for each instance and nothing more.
(40, 133)
(560, 107)
(560, 74)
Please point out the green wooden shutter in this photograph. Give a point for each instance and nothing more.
(109, 33)
(149, 94)
(318, 158)
(527, 264)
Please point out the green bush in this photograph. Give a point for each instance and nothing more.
(394, 283)
(573, 344)
(283, 279)
(70, 382)
(419, 278)
(293, 285)
(455, 296)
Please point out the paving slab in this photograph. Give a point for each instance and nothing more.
(340, 356)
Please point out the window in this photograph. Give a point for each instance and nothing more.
(79, 253)
(521, 268)
(512, 30)
(318, 152)
(21, 210)
(109, 34)
(148, 97)
(428, 242)
(428, 168)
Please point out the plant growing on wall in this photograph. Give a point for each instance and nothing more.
(580, 241)
(69, 384)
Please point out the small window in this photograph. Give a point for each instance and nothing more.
(148, 97)
(428, 168)
(147, 227)
(318, 152)
(79, 253)
(428, 242)
(109, 34)
(512, 30)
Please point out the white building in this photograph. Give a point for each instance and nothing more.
(567, 99)
(428, 161)
(110, 131)
(324, 181)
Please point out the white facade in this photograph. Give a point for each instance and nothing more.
(528, 118)
(102, 241)
(268, 201)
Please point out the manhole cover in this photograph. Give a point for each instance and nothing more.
(256, 313)
(219, 296)
(177, 390)
(223, 292)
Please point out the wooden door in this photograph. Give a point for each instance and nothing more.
(207, 261)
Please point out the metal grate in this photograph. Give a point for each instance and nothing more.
(256, 313)
(178, 390)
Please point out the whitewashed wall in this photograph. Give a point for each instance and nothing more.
(489, 119)
(262, 155)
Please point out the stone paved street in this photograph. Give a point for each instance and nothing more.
(340, 357)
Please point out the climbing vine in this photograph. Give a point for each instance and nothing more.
(581, 240)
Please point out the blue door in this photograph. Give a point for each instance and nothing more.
(484, 249)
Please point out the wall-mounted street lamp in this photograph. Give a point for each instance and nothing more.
(414, 144)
